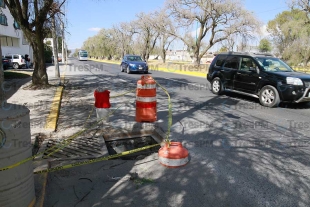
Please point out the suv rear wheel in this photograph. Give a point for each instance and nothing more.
(15, 65)
(269, 96)
(217, 86)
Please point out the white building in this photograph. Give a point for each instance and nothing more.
(13, 40)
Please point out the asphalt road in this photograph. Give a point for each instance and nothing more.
(197, 90)
(242, 154)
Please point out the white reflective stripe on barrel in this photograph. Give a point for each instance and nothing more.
(146, 99)
(173, 162)
(146, 86)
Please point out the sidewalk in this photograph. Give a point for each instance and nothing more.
(37, 101)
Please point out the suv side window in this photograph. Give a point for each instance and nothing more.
(15, 57)
(247, 63)
(232, 62)
(8, 56)
(220, 60)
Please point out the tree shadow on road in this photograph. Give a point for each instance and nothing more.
(237, 159)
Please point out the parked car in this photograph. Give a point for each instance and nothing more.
(18, 61)
(134, 63)
(261, 76)
(6, 63)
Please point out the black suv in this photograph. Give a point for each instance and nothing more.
(258, 75)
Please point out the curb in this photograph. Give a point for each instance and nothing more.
(51, 123)
(51, 120)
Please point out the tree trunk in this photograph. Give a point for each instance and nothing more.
(144, 55)
(196, 56)
(147, 56)
(306, 60)
(39, 76)
(164, 55)
(2, 94)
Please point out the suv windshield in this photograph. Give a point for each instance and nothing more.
(273, 64)
(134, 58)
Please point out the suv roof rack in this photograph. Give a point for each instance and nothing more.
(264, 54)
(248, 53)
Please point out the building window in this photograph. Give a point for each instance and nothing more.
(2, 4)
(16, 25)
(3, 20)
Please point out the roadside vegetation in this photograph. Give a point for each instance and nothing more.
(226, 23)
(15, 75)
(212, 22)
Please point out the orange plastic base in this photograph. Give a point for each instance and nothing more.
(173, 156)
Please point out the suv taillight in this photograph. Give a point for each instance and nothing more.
(22, 60)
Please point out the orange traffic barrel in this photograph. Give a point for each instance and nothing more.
(173, 156)
(146, 100)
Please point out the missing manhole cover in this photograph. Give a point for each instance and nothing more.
(119, 146)
(121, 142)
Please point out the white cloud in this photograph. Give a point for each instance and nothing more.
(94, 29)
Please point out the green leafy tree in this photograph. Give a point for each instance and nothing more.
(264, 45)
(290, 32)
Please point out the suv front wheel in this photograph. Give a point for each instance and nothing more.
(269, 96)
(217, 86)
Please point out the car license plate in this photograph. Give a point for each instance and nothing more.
(140, 67)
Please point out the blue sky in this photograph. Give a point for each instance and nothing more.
(84, 18)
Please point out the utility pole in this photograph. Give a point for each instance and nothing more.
(63, 42)
(2, 94)
(55, 48)
(63, 36)
(66, 53)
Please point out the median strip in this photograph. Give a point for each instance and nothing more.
(191, 70)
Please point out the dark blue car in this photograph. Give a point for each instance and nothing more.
(134, 63)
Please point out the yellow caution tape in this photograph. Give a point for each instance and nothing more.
(95, 160)
(167, 140)
(66, 142)
(123, 94)
(58, 147)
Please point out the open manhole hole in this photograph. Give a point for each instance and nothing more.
(118, 143)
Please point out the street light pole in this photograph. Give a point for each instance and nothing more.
(63, 36)
(63, 42)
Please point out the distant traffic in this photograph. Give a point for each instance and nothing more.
(83, 55)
